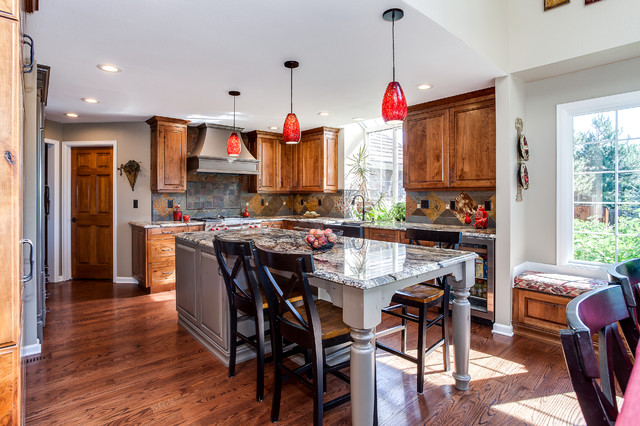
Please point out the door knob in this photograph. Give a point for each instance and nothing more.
(74, 219)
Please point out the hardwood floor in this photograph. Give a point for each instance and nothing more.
(113, 354)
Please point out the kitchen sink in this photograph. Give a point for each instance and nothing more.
(349, 229)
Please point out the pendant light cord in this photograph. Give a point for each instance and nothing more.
(393, 42)
(234, 113)
(291, 90)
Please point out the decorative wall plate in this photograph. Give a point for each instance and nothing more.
(523, 147)
(523, 176)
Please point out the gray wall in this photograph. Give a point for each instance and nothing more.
(133, 143)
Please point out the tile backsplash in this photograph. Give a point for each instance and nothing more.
(227, 195)
(439, 210)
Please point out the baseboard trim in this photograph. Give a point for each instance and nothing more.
(125, 280)
(30, 350)
(503, 330)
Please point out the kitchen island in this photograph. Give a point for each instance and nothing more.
(359, 275)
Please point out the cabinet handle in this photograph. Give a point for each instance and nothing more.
(28, 277)
(169, 249)
(166, 232)
(167, 273)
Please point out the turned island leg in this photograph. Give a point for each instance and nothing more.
(363, 365)
(462, 327)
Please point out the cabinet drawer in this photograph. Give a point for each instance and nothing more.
(388, 235)
(194, 228)
(165, 247)
(159, 233)
(162, 272)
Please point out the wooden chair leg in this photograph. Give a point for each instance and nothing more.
(422, 347)
(277, 377)
(403, 341)
(233, 320)
(260, 358)
(318, 386)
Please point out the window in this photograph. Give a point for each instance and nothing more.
(604, 170)
(375, 169)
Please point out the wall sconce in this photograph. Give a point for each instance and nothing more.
(131, 169)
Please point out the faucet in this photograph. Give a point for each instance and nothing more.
(353, 203)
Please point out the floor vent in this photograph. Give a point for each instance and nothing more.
(34, 358)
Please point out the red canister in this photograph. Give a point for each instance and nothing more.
(177, 213)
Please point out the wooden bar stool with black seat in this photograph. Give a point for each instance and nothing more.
(245, 298)
(315, 326)
(422, 297)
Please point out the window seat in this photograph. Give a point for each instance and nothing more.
(540, 300)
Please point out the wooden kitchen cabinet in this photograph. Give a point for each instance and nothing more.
(310, 166)
(168, 154)
(11, 367)
(426, 150)
(450, 143)
(318, 160)
(153, 256)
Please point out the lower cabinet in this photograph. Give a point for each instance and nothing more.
(10, 402)
(201, 300)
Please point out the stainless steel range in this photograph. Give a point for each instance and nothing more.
(221, 223)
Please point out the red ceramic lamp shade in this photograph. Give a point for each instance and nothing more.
(291, 129)
(394, 104)
(234, 147)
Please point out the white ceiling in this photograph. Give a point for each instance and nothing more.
(180, 58)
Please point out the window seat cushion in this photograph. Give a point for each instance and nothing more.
(558, 284)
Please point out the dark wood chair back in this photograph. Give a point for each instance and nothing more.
(597, 311)
(305, 331)
(444, 239)
(627, 275)
(247, 297)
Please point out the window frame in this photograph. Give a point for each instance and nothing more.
(565, 114)
(397, 148)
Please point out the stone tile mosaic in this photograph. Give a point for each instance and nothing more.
(439, 201)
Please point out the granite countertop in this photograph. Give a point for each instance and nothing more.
(352, 261)
(163, 224)
(468, 230)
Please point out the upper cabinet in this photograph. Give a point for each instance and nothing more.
(310, 166)
(168, 154)
(265, 147)
(9, 8)
(318, 160)
(451, 143)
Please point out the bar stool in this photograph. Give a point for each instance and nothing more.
(315, 326)
(245, 298)
(422, 297)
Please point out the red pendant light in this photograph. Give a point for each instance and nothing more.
(234, 146)
(394, 104)
(291, 128)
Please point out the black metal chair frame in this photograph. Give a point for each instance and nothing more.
(597, 311)
(306, 333)
(627, 275)
(445, 239)
(244, 299)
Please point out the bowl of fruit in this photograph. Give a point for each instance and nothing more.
(322, 239)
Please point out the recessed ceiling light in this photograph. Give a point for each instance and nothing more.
(90, 100)
(72, 115)
(357, 118)
(323, 113)
(273, 127)
(108, 68)
(424, 86)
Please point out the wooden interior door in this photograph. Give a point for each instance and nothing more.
(92, 213)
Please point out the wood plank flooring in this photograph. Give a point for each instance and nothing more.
(114, 355)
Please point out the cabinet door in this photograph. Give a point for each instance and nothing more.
(9, 8)
(473, 145)
(214, 321)
(10, 386)
(172, 157)
(286, 170)
(268, 155)
(186, 282)
(10, 231)
(311, 164)
(426, 148)
(331, 162)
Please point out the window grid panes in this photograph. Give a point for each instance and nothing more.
(384, 154)
(606, 186)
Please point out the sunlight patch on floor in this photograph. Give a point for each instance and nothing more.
(541, 410)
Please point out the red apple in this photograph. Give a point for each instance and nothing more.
(310, 239)
(328, 231)
(322, 240)
(332, 238)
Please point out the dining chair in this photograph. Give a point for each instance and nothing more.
(244, 296)
(316, 326)
(627, 275)
(422, 297)
(594, 377)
